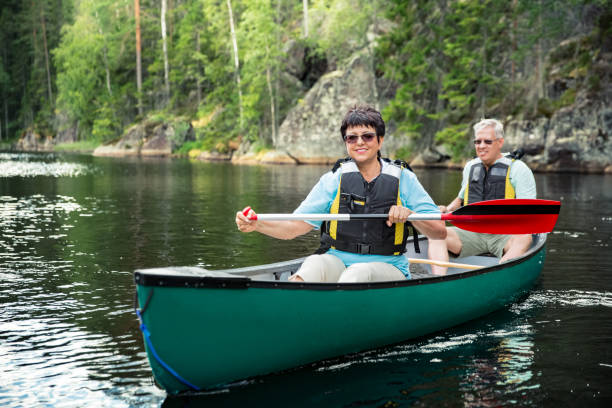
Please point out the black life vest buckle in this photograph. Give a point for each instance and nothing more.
(363, 249)
(350, 200)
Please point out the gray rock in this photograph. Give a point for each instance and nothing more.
(575, 138)
(32, 141)
(144, 139)
(311, 130)
(158, 144)
(294, 57)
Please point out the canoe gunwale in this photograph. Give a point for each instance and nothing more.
(166, 277)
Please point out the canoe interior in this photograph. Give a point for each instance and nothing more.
(280, 271)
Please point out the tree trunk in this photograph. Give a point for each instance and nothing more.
(6, 115)
(138, 61)
(276, 67)
(28, 116)
(540, 65)
(539, 76)
(236, 61)
(305, 6)
(483, 87)
(105, 55)
(514, 35)
(271, 95)
(4, 62)
(165, 50)
(46, 50)
(198, 80)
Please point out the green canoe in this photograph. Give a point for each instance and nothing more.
(204, 328)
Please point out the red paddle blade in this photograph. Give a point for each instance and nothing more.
(512, 216)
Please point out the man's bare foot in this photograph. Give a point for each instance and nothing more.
(296, 278)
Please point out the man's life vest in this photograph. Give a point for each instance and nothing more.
(489, 185)
(357, 196)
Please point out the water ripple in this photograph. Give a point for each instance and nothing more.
(577, 298)
(35, 169)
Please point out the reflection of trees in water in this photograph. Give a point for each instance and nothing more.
(508, 369)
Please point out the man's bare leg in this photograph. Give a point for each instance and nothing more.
(453, 243)
(516, 246)
(437, 251)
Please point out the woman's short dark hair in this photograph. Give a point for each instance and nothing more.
(363, 116)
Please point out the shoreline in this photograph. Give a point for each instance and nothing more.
(275, 158)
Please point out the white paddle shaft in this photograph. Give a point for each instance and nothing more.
(341, 217)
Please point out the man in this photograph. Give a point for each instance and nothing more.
(490, 176)
(359, 251)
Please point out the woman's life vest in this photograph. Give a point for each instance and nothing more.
(356, 196)
(489, 185)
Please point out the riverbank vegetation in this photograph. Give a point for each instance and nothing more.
(229, 71)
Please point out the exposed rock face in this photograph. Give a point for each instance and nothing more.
(159, 142)
(575, 138)
(143, 139)
(311, 131)
(32, 141)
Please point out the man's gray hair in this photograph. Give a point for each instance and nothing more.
(494, 123)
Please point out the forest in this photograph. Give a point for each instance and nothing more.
(98, 66)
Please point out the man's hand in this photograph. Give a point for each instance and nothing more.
(456, 203)
(398, 214)
(243, 222)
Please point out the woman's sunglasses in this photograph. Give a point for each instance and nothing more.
(366, 137)
(485, 141)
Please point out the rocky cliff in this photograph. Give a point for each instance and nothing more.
(310, 133)
(575, 137)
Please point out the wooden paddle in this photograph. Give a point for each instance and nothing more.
(512, 216)
(446, 264)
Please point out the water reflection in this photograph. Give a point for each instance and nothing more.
(69, 337)
(33, 165)
(54, 326)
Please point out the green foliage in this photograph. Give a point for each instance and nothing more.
(261, 147)
(339, 26)
(88, 59)
(453, 62)
(29, 31)
(181, 132)
(456, 137)
(104, 126)
(80, 146)
(457, 62)
(404, 153)
(191, 146)
(261, 58)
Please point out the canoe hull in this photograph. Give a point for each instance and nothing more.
(212, 335)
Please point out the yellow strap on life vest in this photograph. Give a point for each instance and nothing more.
(333, 225)
(510, 193)
(399, 228)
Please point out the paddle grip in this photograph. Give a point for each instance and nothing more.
(246, 212)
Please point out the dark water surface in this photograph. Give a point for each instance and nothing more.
(73, 228)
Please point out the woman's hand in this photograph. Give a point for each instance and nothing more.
(398, 214)
(243, 222)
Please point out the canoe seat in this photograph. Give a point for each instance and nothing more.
(194, 271)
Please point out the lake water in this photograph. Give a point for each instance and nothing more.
(73, 228)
